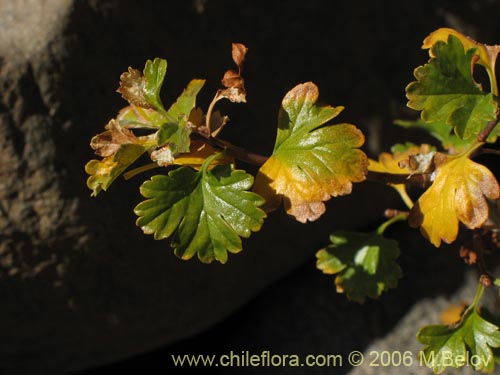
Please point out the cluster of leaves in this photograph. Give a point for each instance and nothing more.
(469, 340)
(462, 115)
(450, 98)
(204, 205)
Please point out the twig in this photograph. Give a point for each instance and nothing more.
(483, 136)
(235, 151)
(422, 180)
(488, 151)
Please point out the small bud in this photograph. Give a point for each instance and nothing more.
(486, 280)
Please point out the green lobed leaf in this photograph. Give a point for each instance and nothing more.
(145, 111)
(154, 74)
(311, 161)
(469, 343)
(136, 117)
(187, 100)
(445, 90)
(176, 131)
(204, 212)
(364, 263)
(300, 115)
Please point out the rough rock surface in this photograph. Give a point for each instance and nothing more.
(79, 284)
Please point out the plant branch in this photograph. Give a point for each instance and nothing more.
(479, 249)
(422, 180)
(216, 98)
(234, 151)
(478, 296)
(483, 136)
(399, 217)
(134, 172)
(488, 151)
(477, 239)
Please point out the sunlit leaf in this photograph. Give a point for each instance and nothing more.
(199, 152)
(186, 102)
(154, 74)
(144, 90)
(204, 212)
(364, 264)
(458, 194)
(137, 117)
(169, 130)
(399, 163)
(393, 163)
(310, 162)
(470, 342)
(175, 135)
(487, 54)
(445, 90)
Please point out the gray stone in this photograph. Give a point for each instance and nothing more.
(402, 339)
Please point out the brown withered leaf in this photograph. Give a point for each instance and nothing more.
(196, 117)
(234, 94)
(232, 80)
(421, 162)
(131, 88)
(109, 142)
(163, 156)
(239, 51)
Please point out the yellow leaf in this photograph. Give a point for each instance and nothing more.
(393, 163)
(453, 313)
(458, 194)
(303, 194)
(199, 153)
(310, 162)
